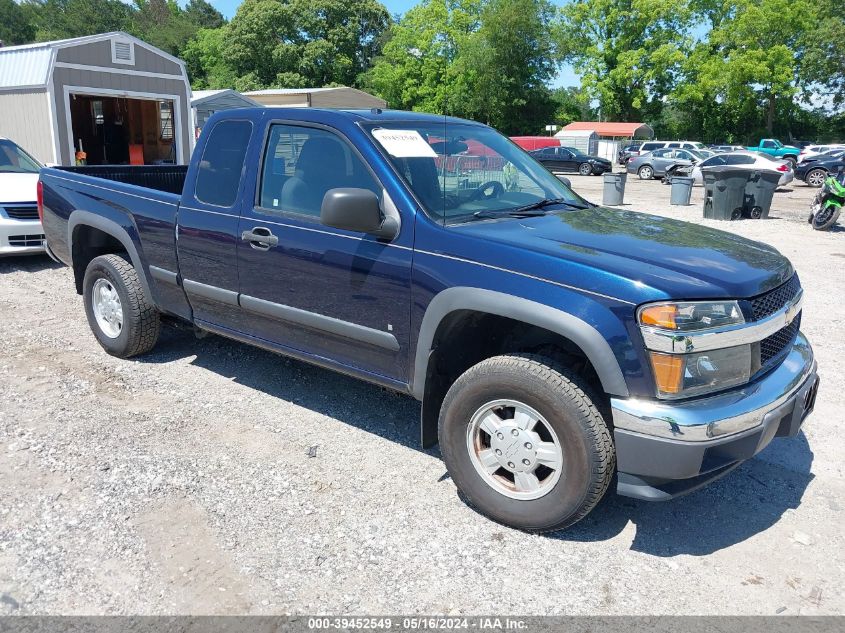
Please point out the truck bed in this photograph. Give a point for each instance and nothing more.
(167, 178)
(139, 203)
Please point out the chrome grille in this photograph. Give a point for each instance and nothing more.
(22, 213)
(767, 304)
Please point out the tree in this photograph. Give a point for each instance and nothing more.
(627, 52)
(571, 104)
(201, 14)
(823, 67)
(162, 23)
(15, 27)
(417, 69)
(743, 78)
(205, 61)
(60, 19)
(510, 62)
(297, 43)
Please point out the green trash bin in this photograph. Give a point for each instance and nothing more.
(724, 192)
(759, 192)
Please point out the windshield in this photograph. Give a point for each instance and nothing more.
(13, 160)
(462, 172)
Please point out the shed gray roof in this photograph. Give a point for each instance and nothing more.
(202, 96)
(30, 65)
(293, 91)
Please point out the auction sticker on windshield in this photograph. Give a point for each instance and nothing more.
(404, 143)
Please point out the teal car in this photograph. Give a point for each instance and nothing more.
(775, 148)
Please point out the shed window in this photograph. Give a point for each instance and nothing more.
(122, 52)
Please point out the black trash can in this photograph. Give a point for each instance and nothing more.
(759, 192)
(724, 192)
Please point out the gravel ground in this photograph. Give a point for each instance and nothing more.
(184, 482)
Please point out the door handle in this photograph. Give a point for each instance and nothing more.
(260, 238)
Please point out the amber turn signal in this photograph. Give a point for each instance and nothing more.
(662, 315)
(668, 371)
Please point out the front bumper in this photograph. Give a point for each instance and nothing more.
(20, 237)
(665, 449)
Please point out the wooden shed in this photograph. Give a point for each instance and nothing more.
(112, 96)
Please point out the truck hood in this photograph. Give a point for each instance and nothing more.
(623, 254)
(18, 187)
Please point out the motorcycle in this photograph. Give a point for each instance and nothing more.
(826, 206)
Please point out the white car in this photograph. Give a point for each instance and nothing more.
(814, 150)
(650, 146)
(20, 228)
(746, 160)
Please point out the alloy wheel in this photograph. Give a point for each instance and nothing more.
(514, 449)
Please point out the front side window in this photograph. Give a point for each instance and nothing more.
(713, 161)
(302, 164)
(13, 160)
(222, 163)
(461, 172)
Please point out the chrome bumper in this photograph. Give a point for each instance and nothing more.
(723, 415)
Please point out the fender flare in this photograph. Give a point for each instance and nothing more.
(118, 232)
(581, 333)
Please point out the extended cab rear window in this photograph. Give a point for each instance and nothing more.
(222, 163)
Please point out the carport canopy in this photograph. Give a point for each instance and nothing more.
(609, 129)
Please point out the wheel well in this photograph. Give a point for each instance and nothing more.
(466, 337)
(88, 243)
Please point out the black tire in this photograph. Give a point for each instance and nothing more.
(825, 218)
(585, 169)
(792, 160)
(646, 172)
(815, 177)
(141, 321)
(561, 397)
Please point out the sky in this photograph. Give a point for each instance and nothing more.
(566, 77)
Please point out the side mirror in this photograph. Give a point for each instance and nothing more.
(357, 210)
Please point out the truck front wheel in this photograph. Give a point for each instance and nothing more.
(525, 444)
(122, 317)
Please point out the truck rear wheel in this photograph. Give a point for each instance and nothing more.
(121, 316)
(525, 444)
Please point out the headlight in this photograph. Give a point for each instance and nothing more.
(688, 316)
(684, 375)
(681, 375)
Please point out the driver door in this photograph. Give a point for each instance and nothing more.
(566, 160)
(329, 293)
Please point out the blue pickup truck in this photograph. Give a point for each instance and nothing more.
(556, 346)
